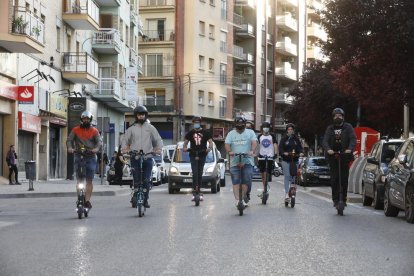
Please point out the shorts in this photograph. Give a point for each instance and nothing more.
(90, 163)
(262, 165)
(247, 173)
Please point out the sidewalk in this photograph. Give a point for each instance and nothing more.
(58, 188)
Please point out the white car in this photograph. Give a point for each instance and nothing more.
(156, 174)
(222, 170)
(166, 156)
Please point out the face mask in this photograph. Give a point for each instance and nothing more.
(85, 124)
(240, 127)
(197, 125)
(266, 129)
(338, 121)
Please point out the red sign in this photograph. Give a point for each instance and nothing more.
(25, 94)
(372, 138)
(218, 133)
(9, 92)
(29, 122)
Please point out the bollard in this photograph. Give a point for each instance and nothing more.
(30, 168)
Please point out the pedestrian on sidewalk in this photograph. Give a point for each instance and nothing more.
(11, 158)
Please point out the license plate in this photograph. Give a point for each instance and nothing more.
(325, 176)
(188, 180)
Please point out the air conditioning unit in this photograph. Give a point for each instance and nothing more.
(248, 71)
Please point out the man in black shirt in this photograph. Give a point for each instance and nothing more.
(339, 137)
(198, 138)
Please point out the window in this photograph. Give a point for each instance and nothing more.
(222, 107)
(211, 31)
(200, 97)
(211, 64)
(223, 73)
(121, 29)
(154, 97)
(153, 65)
(202, 27)
(156, 29)
(58, 34)
(201, 62)
(223, 42)
(210, 99)
(224, 9)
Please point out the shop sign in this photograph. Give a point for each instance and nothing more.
(25, 94)
(29, 122)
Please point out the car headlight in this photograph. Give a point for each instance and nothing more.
(209, 170)
(173, 171)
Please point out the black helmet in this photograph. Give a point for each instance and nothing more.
(265, 124)
(338, 111)
(240, 120)
(140, 110)
(290, 125)
(86, 114)
(197, 118)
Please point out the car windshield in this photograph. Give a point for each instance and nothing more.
(317, 162)
(184, 157)
(388, 151)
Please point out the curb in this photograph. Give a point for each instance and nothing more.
(64, 194)
(326, 195)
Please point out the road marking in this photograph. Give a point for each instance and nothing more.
(6, 223)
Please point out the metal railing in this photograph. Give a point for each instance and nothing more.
(133, 15)
(107, 37)
(109, 86)
(83, 7)
(80, 63)
(238, 52)
(133, 57)
(158, 70)
(237, 19)
(26, 23)
(158, 35)
(155, 105)
(156, 3)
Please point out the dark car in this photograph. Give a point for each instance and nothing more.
(314, 170)
(375, 172)
(399, 186)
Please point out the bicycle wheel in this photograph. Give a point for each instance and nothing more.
(139, 207)
(292, 202)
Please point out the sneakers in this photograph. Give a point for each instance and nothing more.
(88, 205)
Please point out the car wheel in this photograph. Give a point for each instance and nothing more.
(376, 200)
(214, 189)
(409, 203)
(218, 186)
(223, 182)
(366, 201)
(170, 190)
(389, 210)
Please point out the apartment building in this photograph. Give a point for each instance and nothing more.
(71, 55)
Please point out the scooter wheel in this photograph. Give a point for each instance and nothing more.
(264, 201)
(86, 214)
(79, 215)
(340, 212)
(140, 211)
(292, 202)
(286, 203)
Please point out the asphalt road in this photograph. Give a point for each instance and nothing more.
(44, 237)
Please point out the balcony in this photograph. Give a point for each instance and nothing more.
(314, 6)
(289, 3)
(247, 3)
(283, 98)
(286, 72)
(269, 66)
(315, 30)
(108, 90)
(158, 71)
(109, 3)
(81, 14)
(269, 95)
(280, 123)
(247, 59)
(158, 36)
(140, 26)
(238, 52)
(139, 65)
(156, 5)
(246, 31)
(286, 22)
(159, 106)
(133, 57)
(243, 87)
(80, 68)
(269, 38)
(106, 41)
(314, 52)
(134, 16)
(237, 20)
(248, 115)
(286, 47)
(27, 34)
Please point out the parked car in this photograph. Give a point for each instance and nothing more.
(399, 186)
(222, 170)
(156, 173)
(375, 172)
(167, 153)
(126, 173)
(313, 171)
(180, 174)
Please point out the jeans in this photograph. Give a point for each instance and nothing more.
(247, 172)
(90, 164)
(286, 173)
(13, 168)
(147, 170)
(197, 173)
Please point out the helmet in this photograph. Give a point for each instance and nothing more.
(197, 118)
(86, 114)
(265, 124)
(338, 111)
(240, 120)
(140, 110)
(290, 125)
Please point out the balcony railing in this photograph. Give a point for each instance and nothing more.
(156, 3)
(133, 57)
(158, 35)
(80, 63)
(285, 70)
(26, 23)
(139, 65)
(248, 115)
(107, 37)
(283, 98)
(237, 19)
(317, 31)
(158, 71)
(155, 105)
(108, 87)
(133, 15)
(247, 29)
(286, 46)
(238, 51)
(83, 7)
(287, 22)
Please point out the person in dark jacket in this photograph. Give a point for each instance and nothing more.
(289, 147)
(339, 137)
(11, 158)
(119, 164)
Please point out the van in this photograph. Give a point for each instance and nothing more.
(180, 174)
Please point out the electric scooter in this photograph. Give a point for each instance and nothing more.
(197, 194)
(341, 204)
(265, 194)
(240, 205)
(81, 210)
(293, 170)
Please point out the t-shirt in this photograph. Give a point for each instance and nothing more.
(198, 140)
(241, 143)
(266, 145)
(338, 143)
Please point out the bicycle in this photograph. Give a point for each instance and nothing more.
(265, 195)
(293, 170)
(138, 190)
(80, 186)
(240, 204)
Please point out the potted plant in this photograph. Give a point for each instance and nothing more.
(36, 31)
(19, 25)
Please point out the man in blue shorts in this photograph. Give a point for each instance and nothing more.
(241, 140)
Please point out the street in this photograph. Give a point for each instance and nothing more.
(43, 236)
